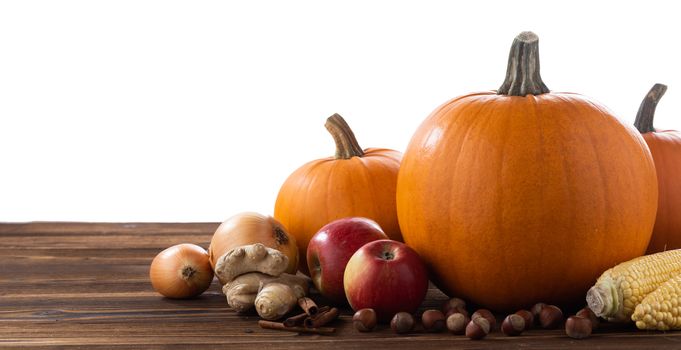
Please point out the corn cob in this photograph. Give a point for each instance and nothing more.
(619, 289)
(661, 310)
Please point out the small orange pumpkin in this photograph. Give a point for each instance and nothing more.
(665, 146)
(355, 182)
(523, 195)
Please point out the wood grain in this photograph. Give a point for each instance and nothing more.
(85, 286)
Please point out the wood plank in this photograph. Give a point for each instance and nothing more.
(85, 285)
(100, 228)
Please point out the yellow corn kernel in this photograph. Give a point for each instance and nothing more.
(655, 311)
(620, 289)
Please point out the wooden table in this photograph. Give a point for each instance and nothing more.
(86, 285)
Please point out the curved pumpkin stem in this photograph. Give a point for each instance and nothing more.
(522, 73)
(346, 143)
(646, 112)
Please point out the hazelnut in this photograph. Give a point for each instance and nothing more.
(550, 317)
(536, 309)
(433, 320)
(527, 317)
(513, 325)
(477, 328)
(456, 323)
(587, 313)
(402, 322)
(578, 327)
(457, 310)
(487, 315)
(364, 320)
(453, 304)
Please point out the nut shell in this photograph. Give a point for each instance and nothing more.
(364, 320)
(587, 313)
(433, 320)
(487, 315)
(457, 311)
(578, 327)
(527, 316)
(402, 322)
(513, 325)
(452, 304)
(457, 322)
(536, 309)
(550, 317)
(477, 328)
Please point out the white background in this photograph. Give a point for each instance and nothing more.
(193, 111)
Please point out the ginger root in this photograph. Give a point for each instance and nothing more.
(253, 275)
(280, 293)
(250, 258)
(241, 291)
(279, 297)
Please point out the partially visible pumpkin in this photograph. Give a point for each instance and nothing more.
(523, 195)
(250, 228)
(354, 182)
(665, 146)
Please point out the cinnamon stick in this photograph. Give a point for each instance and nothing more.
(308, 305)
(280, 327)
(298, 320)
(322, 318)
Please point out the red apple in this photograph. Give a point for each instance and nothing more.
(387, 276)
(330, 249)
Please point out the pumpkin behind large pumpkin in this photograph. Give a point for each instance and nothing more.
(354, 182)
(522, 195)
(665, 147)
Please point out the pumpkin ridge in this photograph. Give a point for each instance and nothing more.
(476, 107)
(501, 191)
(446, 107)
(385, 154)
(451, 127)
(300, 173)
(392, 229)
(366, 176)
(616, 125)
(603, 193)
(566, 150)
(451, 101)
(541, 182)
(566, 175)
(311, 178)
(665, 147)
(329, 191)
(663, 215)
(436, 116)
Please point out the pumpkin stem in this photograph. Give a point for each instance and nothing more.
(346, 143)
(646, 112)
(522, 73)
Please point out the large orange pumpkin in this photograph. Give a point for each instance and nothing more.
(354, 182)
(523, 195)
(665, 146)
